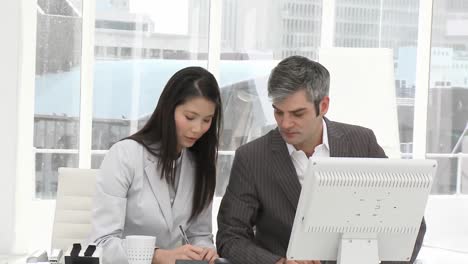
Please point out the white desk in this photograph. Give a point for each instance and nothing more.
(429, 255)
(12, 259)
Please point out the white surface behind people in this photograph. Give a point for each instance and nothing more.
(362, 92)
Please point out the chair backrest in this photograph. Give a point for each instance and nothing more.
(72, 221)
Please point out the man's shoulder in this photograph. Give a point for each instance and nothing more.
(258, 144)
(349, 129)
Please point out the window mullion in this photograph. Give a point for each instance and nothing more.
(423, 61)
(327, 34)
(86, 84)
(214, 38)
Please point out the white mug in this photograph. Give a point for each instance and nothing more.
(140, 249)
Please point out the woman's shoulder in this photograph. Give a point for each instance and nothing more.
(127, 147)
(128, 144)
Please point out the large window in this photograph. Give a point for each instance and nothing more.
(57, 91)
(385, 24)
(447, 119)
(394, 24)
(140, 46)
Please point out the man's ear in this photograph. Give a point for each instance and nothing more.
(324, 105)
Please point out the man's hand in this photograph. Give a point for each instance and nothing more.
(187, 252)
(285, 261)
(209, 254)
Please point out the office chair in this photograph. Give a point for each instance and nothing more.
(72, 221)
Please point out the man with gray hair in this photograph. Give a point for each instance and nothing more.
(257, 211)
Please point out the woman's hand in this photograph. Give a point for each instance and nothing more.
(169, 256)
(209, 254)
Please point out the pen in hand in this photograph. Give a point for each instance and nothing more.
(184, 236)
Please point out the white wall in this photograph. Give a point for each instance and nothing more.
(9, 72)
(17, 67)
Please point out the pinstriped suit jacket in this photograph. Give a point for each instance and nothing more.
(263, 193)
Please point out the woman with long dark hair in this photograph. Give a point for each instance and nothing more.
(163, 177)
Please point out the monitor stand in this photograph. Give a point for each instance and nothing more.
(358, 250)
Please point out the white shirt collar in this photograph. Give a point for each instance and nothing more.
(291, 148)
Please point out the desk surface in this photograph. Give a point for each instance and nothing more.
(426, 256)
(12, 259)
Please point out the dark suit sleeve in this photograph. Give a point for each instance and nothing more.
(375, 150)
(236, 218)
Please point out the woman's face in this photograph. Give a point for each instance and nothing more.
(192, 119)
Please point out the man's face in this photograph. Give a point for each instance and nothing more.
(298, 122)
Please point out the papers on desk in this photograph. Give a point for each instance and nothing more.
(38, 256)
(41, 256)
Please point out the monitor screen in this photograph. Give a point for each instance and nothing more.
(360, 207)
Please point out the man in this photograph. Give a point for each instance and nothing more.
(257, 211)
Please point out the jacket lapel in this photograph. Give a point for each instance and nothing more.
(159, 187)
(339, 145)
(185, 187)
(284, 169)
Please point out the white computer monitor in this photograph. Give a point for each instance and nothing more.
(360, 210)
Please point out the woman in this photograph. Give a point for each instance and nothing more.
(163, 177)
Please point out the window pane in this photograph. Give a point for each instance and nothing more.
(47, 165)
(140, 45)
(446, 177)
(96, 160)
(447, 119)
(385, 24)
(223, 171)
(57, 91)
(255, 35)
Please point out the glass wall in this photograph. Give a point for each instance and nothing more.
(57, 91)
(447, 119)
(139, 44)
(385, 24)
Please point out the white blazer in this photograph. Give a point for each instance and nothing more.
(132, 199)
